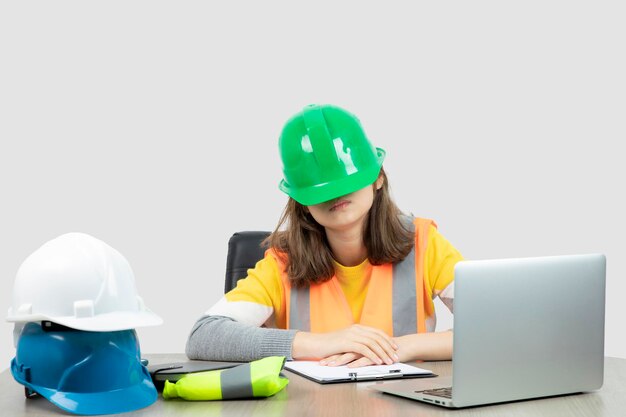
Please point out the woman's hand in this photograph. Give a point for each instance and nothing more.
(363, 341)
(423, 346)
(353, 360)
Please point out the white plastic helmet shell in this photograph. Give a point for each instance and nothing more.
(80, 282)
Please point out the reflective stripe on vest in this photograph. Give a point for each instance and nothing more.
(396, 300)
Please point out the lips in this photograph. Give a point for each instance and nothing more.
(339, 205)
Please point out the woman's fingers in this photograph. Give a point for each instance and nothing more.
(345, 358)
(362, 361)
(382, 346)
(373, 330)
(330, 360)
(376, 346)
(356, 340)
(353, 360)
(365, 350)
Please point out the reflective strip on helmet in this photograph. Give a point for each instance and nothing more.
(236, 382)
(300, 309)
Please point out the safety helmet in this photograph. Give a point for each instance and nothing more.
(83, 372)
(325, 155)
(80, 282)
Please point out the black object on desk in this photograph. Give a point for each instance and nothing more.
(175, 370)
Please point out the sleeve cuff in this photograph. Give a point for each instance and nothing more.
(277, 342)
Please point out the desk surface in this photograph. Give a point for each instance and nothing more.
(306, 398)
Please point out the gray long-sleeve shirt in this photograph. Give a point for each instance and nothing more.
(222, 338)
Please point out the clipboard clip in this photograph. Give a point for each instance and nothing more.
(392, 373)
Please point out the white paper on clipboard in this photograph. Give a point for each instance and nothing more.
(328, 374)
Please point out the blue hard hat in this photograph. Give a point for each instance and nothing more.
(83, 372)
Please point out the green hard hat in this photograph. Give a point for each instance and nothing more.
(325, 155)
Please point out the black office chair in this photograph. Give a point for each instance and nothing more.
(244, 251)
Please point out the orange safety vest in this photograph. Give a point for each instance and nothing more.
(396, 300)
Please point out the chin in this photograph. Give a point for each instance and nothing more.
(344, 221)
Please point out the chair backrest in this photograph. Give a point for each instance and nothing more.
(244, 251)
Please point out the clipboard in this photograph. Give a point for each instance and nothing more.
(337, 374)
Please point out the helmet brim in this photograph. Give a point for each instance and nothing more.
(108, 322)
(321, 193)
(122, 400)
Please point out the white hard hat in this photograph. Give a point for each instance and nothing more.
(80, 282)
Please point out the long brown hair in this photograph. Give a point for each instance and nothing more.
(305, 251)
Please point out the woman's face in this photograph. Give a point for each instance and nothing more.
(345, 212)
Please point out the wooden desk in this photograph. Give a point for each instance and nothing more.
(306, 398)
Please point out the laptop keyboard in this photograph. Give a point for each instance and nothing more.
(438, 392)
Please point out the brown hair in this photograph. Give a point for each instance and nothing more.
(305, 251)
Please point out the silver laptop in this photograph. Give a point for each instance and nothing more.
(523, 328)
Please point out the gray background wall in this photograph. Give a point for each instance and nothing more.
(153, 126)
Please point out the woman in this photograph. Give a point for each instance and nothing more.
(348, 278)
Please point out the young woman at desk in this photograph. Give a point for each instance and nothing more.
(348, 278)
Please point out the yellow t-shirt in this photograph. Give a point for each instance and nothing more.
(260, 297)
